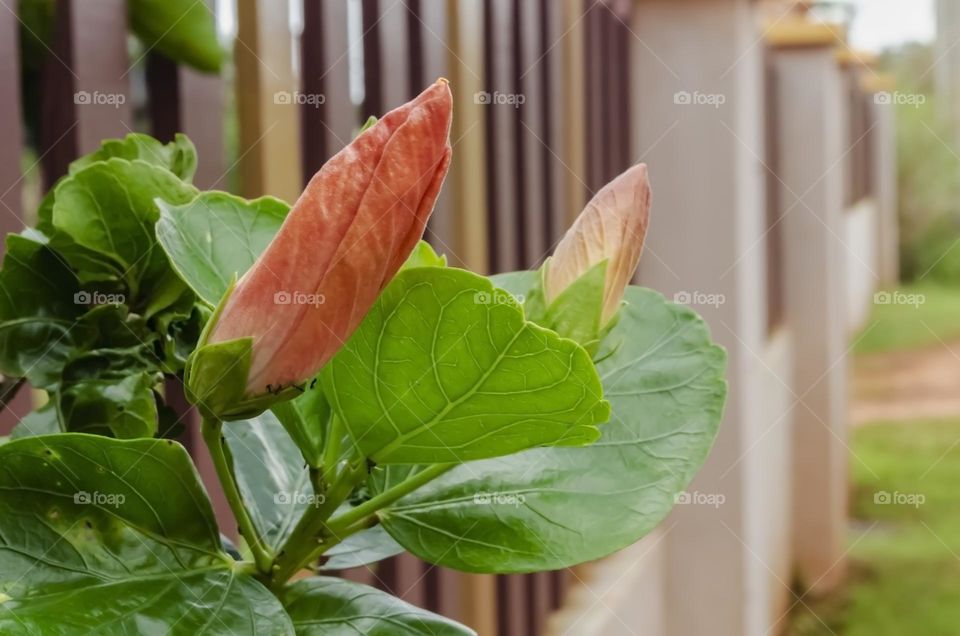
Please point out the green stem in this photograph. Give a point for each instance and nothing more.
(330, 542)
(212, 431)
(331, 452)
(338, 525)
(312, 528)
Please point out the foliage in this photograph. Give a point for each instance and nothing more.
(451, 424)
(928, 173)
(183, 30)
(925, 315)
(903, 557)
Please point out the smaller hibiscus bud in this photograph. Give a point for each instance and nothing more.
(583, 282)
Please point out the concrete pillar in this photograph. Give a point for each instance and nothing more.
(812, 135)
(947, 69)
(697, 92)
(885, 189)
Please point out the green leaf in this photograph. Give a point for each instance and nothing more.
(423, 255)
(183, 30)
(110, 536)
(336, 607)
(216, 237)
(307, 419)
(125, 406)
(481, 382)
(179, 156)
(38, 311)
(551, 508)
(107, 209)
(270, 475)
(365, 547)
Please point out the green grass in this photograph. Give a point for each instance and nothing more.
(898, 326)
(905, 560)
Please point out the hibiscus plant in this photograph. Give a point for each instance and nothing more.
(359, 398)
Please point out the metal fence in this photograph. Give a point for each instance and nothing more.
(543, 119)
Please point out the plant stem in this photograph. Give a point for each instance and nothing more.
(212, 431)
(331, 451)
(340, 524)
(312, 525)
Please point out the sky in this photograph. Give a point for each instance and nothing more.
(881, 23)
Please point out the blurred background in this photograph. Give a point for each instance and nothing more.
(805, 162)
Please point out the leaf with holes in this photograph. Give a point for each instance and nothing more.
(111, 536)
(444, 368)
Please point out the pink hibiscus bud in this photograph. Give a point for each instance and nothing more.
(344, 239)
(611, 228)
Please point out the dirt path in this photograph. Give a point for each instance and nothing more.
(906, 385)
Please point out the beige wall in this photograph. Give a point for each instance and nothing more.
(863, 261)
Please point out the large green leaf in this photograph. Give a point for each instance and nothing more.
(107, 208)
(325, 606)
(554, 507)
(179, 157)
(107, 536)
(444, 368)
(217, 236)
(270, 474)
(183, 30)
(38, 311)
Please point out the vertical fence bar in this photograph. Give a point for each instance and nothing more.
(267, 109)
(325, 72)
(403, 576)
(511, 605)
(11, 192)
(594, 85)
(534, 134)
(466, 179)
(539, 592)
(571, 69)
(505, 246)
(86, 84)
(623, 127)
(372, 60)
(393, 31)
(430, 36)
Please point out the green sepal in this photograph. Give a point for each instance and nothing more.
(423, 255)
(371, 120)
(577, 312)
(215, 376)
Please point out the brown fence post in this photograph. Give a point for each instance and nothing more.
(267, 101)
(11, 193)
(86, 83)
